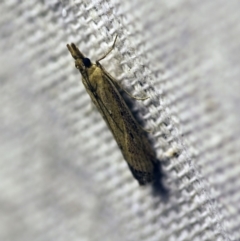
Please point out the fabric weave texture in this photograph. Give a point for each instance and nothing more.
(63, 176)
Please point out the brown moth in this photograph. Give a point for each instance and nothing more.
(129, 135)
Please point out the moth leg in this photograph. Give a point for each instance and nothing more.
(115, 82)
(148, 131)
(134, 97)
(118, 86)
(108, 52)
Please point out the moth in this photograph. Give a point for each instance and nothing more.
(129, 135)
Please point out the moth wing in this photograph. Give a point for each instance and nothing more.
(129, 136)
(133, 141)
(140, 155)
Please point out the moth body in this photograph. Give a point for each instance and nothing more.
(130, 137)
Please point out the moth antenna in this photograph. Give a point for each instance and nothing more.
(109, 51)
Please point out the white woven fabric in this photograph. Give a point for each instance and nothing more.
(62, 174)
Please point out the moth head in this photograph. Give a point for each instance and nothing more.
(81, 62)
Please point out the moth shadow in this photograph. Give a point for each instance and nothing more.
(158, 186)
